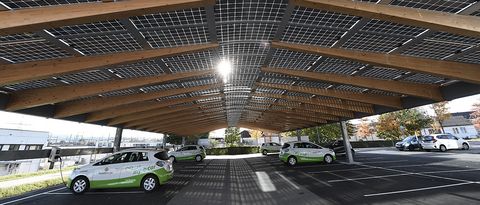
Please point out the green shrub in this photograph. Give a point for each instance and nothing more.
(17, 190)
(232, 150)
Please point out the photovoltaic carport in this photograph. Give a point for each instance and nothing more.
(150, 64)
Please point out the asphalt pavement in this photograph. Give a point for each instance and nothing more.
(381, 176)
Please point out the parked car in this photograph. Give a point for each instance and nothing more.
(443, 142)
(189, 152)
(301, 152)
(147, 169)
(270, 147)
(409, 143)
(339, 148)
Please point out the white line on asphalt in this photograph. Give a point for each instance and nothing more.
(286, 179)
(372, 177)
(264, 181)
(425, 175)
(362, 168)
(448, 171)
(419, 189)
(379, 162)
(28, 197)
(318, 180)
(340, 176)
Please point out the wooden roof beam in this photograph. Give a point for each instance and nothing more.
(90, 105)
(33, 19)
(22, 72)
(184, 122)
(435, 20)
(43, 96)
(389, 101)
(151, 113)
(415, 89)
(140, 107)
(192, 126)
(448, 69)
(333, 103)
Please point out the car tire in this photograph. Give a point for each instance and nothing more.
(149, 183)
(198, 158)
(427, 150)
(328, 159)
(80, 185)
(292, 161)
(465, 146)
(172, 159)
(264, 152)
(411, 148)
(443, 148)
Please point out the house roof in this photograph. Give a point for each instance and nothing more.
(458, 119)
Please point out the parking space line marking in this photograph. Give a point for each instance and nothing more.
(32, 196)
(362, 168)
(420, 174)
(344, 177)
(419, 189)
(286, 179)
(447, 171)
(317, 180)
(265, 183)
(372, 177)
(379, 162)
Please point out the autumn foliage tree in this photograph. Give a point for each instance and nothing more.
(475, 116)
(441, 113)
(394, 125)
(364, 129)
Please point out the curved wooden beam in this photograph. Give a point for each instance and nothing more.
(389, 101)
(415, 89)
(164, 110)
(43, 96)
(139, 107)
(33, 19)
(22, 72)
(448, 69)
(333, 103)
(90, 105)
(435, 20)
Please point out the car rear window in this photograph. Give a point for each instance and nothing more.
(161, 155)
(427, 138)
(286, 145)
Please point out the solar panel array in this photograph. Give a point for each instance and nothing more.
(244, 30)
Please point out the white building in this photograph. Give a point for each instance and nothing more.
(15, 140)
(459, 124)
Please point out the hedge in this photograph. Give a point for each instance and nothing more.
(365, 144)
(232, 150)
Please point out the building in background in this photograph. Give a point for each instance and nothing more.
(459, 124)
(15, 140)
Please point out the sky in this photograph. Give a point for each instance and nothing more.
(67, 128)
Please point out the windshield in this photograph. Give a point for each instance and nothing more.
(427, 138)
(408, 139)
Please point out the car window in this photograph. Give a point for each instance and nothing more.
(182, 149)
(123, 157)
(311, 146)
(443, 137)
(298, 145)
(275, 144)
(163, 155)
(263, 144)
(142, 156)
(107, 160)
(427, 138)
(286, 145)
(192, 148)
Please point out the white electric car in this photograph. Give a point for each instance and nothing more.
(300, 152)
(443, 142)
(189, 152)
(270, 147)
(125, 169)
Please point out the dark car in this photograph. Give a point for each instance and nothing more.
(409, 143)
(339, 148)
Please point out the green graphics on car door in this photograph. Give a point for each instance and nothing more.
(300, 152)
(129, 168)
(189, 152)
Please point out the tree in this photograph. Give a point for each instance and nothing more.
(256, 134)
(320, 134)
(475, 116)
(394, 125)
(364, 129)
(232, 136)
(441, 113)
